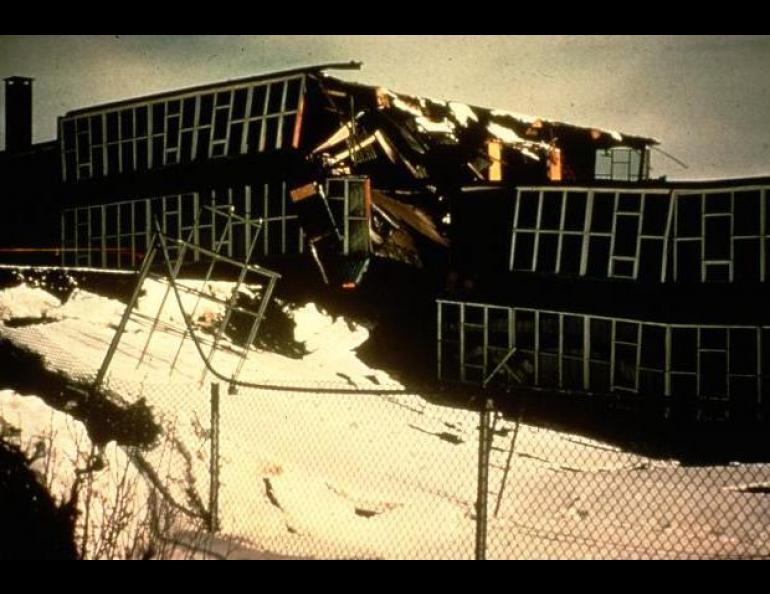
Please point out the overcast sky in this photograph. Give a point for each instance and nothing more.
(707, 99)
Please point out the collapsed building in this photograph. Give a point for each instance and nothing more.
(561, 266)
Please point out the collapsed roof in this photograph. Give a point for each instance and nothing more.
(419, 151)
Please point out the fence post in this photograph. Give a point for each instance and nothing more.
(482, 493)
(214, 460)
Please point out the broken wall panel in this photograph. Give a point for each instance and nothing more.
(721, 370)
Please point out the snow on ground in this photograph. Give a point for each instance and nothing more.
(61, 449)
(393, 476)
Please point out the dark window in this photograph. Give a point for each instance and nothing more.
(96, 161)
(653, 347)
(127, 156)
(223, 98)
(202, 151)
(746, 215)
(254, 131)
(188, 112)
(655, 215)
(688, 216)
(186, 152)
(683, 349)
(96, 130)
(157, 151)
(600, 377)
(598, 256)
(573, 335)
(603, 207)
(275, 97)
(258, 100)
(546, 253)
(141, 155)
(571, 247)
(83, 148)
(623, 268)
(112, 126)
(713, 338)
(629, 202)
(746, 259)
(650, 260)
(718, 202)
(743, 351)
(626, 332)
(172, 136)
(688, 261)
(625, 366)
(82, 125)
(220, 124)
(141, 121)
(127, 123)
(527, 210)
(174, 107)
(525, 247)
(292, 94)
(206, 110)
(239, 104)
(718, 273)
(551, 215)
(549, 333)
(113, 159)
(713, 375)
(718, 238)
(158, 118)
(574, 217)
(271, 133)
(525, 330)
(626, 233)
(600, 339)
(236, 134)
(287, 132)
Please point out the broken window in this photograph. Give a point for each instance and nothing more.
(619, 164)
(623, 237)
(719, 235)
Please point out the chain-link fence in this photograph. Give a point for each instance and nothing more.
(346, 475)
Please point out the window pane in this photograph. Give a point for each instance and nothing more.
(655, 215)
(546, 253)
(571, 247)
(524, 249)
(688, 213)
(603, 207)
(551, 215)
(528, 210)
(574, 217)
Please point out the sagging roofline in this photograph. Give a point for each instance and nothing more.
(649, 185)
(268, 76)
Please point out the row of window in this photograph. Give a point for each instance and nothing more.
(117, 235)
(595, 354)
(231, 121)
(650, 235)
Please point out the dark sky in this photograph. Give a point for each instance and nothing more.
(707, 98)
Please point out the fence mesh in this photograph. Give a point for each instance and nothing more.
(346, 475)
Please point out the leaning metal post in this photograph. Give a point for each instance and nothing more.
(482, 493)
(144, 270)
(214, 461)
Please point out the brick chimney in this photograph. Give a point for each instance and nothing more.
(18, 113)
